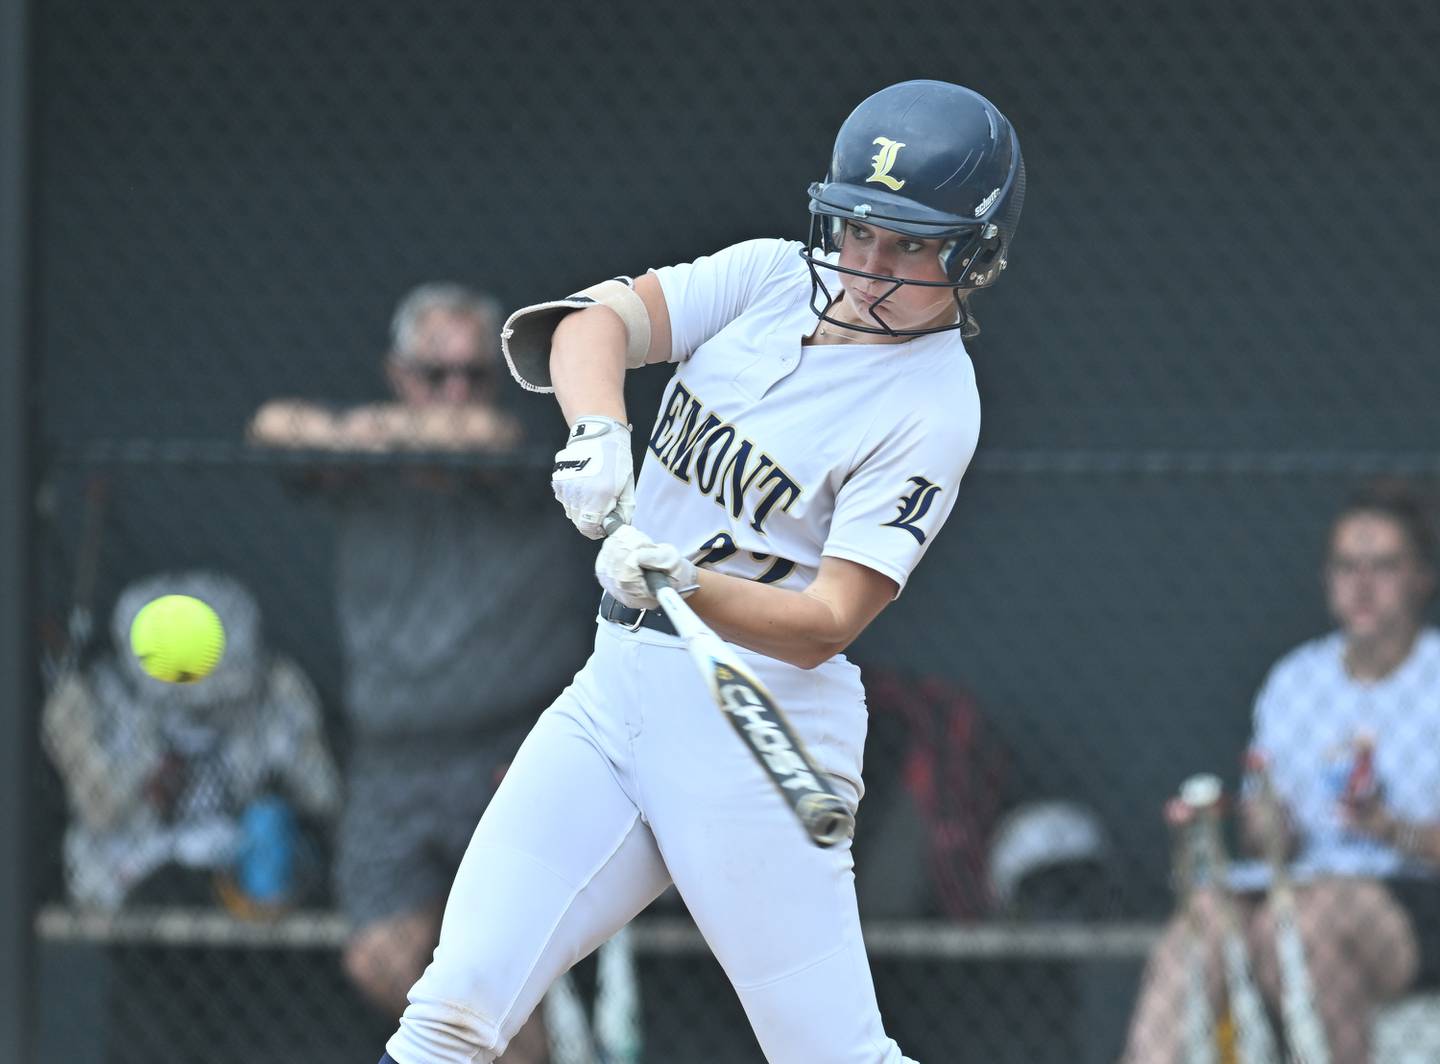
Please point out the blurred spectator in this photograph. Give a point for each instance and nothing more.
(1364, 861)
(459, 622)
(177, 790)
(444, 369)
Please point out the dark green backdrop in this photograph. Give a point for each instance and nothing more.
(1214, 317)
(1214, 325)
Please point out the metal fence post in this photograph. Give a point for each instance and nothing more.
(16, 690)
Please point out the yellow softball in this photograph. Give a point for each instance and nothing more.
(177, 638)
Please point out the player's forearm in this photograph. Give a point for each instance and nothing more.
(1415, 839)
(440, 428)
(381, 427)
(587, 364)
(791, 626)
(293, 424)
(101, 785)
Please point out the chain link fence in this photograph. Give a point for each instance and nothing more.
(1212, 335)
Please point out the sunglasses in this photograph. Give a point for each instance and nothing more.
(435, 374)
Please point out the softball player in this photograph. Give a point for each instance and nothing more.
(807, 451)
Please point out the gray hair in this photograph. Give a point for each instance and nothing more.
(440, 295)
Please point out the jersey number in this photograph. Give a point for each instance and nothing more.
(722, 545)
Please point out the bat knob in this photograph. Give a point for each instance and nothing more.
(826, 819)
(1200, 792)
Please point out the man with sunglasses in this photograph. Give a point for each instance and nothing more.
(449, 654)
(441, 369)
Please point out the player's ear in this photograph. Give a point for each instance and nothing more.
(391, 370)
(1424, 586)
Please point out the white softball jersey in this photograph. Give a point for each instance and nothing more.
(766, 455)
(1309, 717)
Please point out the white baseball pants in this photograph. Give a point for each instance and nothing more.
(633, 777)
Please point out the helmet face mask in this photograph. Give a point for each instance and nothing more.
(957, 252)
(822, 299)
(930, 160)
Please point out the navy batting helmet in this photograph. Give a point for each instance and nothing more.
(927, 159)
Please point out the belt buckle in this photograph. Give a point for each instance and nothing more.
(614, 606)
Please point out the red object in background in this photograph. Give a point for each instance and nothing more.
(1177, 813)
(1254, 762)
(1362, 784)
(166, 783)
(953, 767)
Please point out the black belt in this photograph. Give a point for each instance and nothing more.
(616, 612)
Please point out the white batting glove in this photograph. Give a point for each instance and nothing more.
(594, 474)
(624, 557)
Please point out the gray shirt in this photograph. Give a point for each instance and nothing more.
(466, 601)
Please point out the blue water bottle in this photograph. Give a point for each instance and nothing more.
(267, 850)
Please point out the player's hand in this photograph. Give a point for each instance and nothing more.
(1368, 815)
(595, 474)
(1176, 813)
(1263, 823)
(624, 557)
